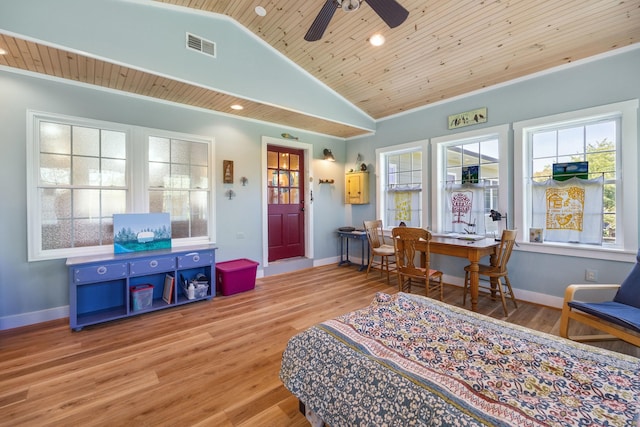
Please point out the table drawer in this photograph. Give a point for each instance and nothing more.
(99, 273)
(150, 266)
(195, 259)
(357, 236)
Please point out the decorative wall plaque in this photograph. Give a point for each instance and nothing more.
(468, 118)
(227, 171)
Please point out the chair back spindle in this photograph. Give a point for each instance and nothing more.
(379, 248)
(374, 233)
(405, 240)
(507, 242)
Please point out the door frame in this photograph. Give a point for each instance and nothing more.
(308, 187)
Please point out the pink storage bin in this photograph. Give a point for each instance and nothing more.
(235, 276)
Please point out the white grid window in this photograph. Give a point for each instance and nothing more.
(606, 138)
(400, 185)
(178, 180)
(594, 141)
(80, 172)
(476, 159)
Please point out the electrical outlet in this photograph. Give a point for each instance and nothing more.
(591, 275)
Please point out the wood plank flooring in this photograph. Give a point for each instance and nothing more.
(211, 363)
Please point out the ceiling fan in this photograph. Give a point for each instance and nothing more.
(391, 12)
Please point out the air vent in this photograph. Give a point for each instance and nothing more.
(201, 45)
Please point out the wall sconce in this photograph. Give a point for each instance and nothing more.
(328, 155)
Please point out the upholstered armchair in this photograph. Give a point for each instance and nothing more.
(617, 316)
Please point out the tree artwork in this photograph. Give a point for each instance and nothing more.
(461, 205)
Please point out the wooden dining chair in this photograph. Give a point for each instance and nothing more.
(495, 273)
(405, 240)
(379, 248)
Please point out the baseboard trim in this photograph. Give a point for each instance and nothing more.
(521, 294)
(33, 317)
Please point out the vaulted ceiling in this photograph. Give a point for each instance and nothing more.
(444, 49)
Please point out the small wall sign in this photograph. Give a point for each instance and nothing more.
(468, 118)
(227, 171)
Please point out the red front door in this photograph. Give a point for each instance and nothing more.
(285, 190)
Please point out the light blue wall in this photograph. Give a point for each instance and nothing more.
(35, 286)
(151, 36)
(608, 80)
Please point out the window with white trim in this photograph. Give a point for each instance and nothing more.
(400, 185)
(81, 172)
(179, 184)
(605, 137)
(470, 171)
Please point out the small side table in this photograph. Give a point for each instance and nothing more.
(345, 236)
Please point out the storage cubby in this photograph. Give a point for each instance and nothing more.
(100, 287)
(105, 300)
(190, 274)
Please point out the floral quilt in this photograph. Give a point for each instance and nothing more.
(407, 360)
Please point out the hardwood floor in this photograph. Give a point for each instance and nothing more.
(212, 363)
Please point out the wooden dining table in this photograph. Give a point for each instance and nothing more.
(473, 250)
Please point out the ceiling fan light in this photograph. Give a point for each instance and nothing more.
(376, 40)
(350, 5)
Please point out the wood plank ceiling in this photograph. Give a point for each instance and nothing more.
(446, 48)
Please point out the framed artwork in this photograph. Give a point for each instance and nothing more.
(227, 171)
(141, 232)
(167, 293)
(535, 235)
(564, 171)
(470, 174)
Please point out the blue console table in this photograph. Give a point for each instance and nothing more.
(345, 236)
(100, 287)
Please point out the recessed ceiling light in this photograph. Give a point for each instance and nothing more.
(237, 107)
(376, 40)
(260, 11)
(3, 52)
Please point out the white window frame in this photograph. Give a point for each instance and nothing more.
(626, 186)
(381, 177)
(439, 170)
(146, 134)
(136, 181)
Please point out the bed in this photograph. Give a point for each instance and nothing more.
(407, 360)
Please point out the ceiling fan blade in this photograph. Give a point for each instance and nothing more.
(390, 11)
(321, 22)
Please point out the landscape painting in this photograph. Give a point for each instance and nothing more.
(564, 171)
(141, 232)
